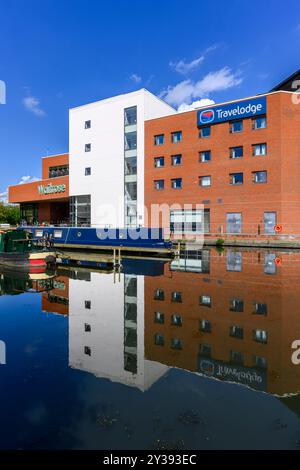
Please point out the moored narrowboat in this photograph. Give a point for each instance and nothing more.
(18, 251)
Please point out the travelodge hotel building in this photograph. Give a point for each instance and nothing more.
(238, 161)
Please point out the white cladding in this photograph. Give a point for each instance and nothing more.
(106, 158)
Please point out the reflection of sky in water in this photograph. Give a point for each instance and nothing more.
(53, 395)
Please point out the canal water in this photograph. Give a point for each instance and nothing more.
(197, 353)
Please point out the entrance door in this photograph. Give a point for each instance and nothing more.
(269, 223)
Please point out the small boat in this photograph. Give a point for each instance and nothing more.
(18, 251)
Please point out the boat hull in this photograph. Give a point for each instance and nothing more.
(30, 262)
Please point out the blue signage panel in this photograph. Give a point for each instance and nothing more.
(230, 112)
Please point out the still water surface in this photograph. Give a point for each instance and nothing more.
(192, 354)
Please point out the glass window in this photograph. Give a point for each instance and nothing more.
(159, 184)
(234, 261)
(159, 162)
(205, 132)
(131, 191)
(261, 336)
(159, 139)
(205, 300)
(55, 171)
(176, 183)
(269, 263)
(182, 221)
(205, 326)
(234, 222)
(87, 327)
(159, 294)
(176, 343)
(205, 350)
(176, 160)
(130, 116)
(259, 176)
(205, 156)
(236, 178)
(87, 304)
(87, 350)
(88, 147)
(205, 180)
(159, 340)
(260, 308)
(260, 362)
(236, 357)
(87, 124)
(236, 126)
(159, 317)
(80, 210)
(176, 320)
(269, 222)
(176, 137)
(236, 152)
(130, 140)
(176, 296)
(236, 332)
(236, 305)
(259, 150)
(260, 122)
(88, 171)
(130, 166)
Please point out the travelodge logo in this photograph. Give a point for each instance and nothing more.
(232, 111)
(207, 116)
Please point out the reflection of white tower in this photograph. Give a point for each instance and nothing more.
(106, 330)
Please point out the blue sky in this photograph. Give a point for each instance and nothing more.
(59, 54)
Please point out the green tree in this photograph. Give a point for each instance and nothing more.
(9, 214)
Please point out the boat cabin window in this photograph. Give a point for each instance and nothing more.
(39, 233)
(57, 233)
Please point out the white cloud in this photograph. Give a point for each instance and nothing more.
(188, 90)
(28, 179)
(32, 104)
(185, 67)
(195, 105)
(4, 196)
(136, 78)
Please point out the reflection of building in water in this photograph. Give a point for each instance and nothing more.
(235, 321)
(56, 300)
(106, 330)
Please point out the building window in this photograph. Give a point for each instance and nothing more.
(205, 132)
(234, 222)
(176, 343)
(176, 297)
(260, 362)
(269, 263)
(260, 122)
(87, 124)
(205, 156)
(260, 309)
(80, 211)
(261, 336)
(88, 147)
(159, 162)
(205, 301)
(176, 183)
(87, 304)
(56, 171)
(183, 221)
(159, 139)
(88, 171)
(259, 150)
(130, 116)
(205, 181)
(130, 140)
(236, 332)
(130, 166)
(236, 305)
(159, 184)
(159, 294)
(236, 179)
(87, 328)
(159, 340)
(234, 261)
(205, 350)
(159, 318)
(270, 222)
(205, 326)
(131, 191)
(176, 137)
(236, 358)
(259, 177)
(236, 126)
(236, 152)
(176, 320)
(87, 350)
(176, 160)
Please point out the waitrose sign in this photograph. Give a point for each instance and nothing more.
(229, 112)
(51, 189)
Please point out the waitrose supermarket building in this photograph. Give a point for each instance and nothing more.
(232, 168)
